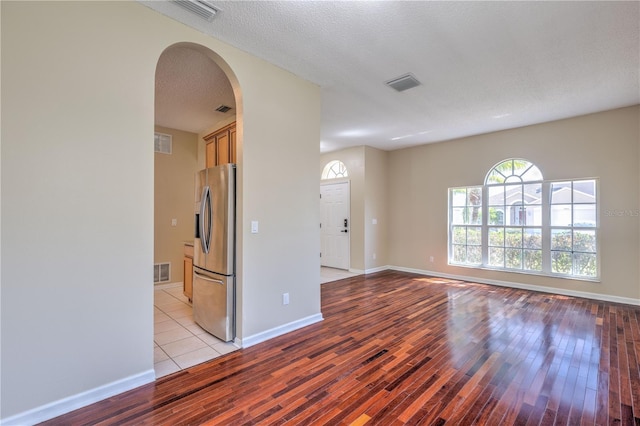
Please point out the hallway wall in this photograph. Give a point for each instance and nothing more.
(77, 177)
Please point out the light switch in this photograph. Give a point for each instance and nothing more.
(174, 222)
(254, 226)
(374, 221)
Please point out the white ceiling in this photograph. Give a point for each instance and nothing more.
(484, 66)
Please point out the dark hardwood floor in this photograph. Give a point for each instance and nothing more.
(399, 349)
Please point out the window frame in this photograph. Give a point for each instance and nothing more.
(334, 169)
(508, 224)
(544, 226)
(462, 224)
(573, 228)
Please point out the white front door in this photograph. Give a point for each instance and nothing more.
(335, 225)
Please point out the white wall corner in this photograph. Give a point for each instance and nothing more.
(377, 269)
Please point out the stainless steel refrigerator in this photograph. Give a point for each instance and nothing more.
(214, 251)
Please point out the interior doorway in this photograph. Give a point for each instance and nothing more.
(192, 86)
(335, 225)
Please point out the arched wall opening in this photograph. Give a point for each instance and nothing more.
(182, 70)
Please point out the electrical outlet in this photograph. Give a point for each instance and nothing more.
(374, 256)
(285, 298)
(431, 259)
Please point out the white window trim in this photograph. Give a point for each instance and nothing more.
(545, 229)
(329, 168)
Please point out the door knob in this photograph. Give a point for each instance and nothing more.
(344, 230)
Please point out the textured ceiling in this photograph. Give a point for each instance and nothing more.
(189, 87)
(484, 66)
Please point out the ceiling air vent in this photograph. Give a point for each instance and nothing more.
(223, 108)
(404, 82)
(202, 8)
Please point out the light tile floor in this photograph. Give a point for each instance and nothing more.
(332, 274)
(179, 342)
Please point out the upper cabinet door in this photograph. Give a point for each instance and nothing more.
(211, 154)
(221, 146)
(233, 157)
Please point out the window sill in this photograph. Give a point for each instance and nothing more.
(535, 274)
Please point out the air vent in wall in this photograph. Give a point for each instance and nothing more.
(202, 8)
(404, 82)
(162, 143)
(161, 272)
(223, 108)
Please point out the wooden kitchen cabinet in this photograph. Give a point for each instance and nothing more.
(221, 146)
(211, 154)
(187, 282)
(232, 144)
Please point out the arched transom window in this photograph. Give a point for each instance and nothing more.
(335, 169)
(513, 171)
(518, 222)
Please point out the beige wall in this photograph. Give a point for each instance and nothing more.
(368, 175)
(174, 199)
(280, 126)
(376, 207)
(604, 145)
(77, 178)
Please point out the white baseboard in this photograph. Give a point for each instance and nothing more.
(356, 271)
(280, 330)
(377, 269)
(66, 405)
(553, 290)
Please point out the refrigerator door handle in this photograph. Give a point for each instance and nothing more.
(206, 278)
(205, 218)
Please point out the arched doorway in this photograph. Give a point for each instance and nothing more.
(195, 95)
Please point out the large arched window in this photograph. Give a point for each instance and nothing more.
(335, 169)
(515, 221)
(518, 222)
